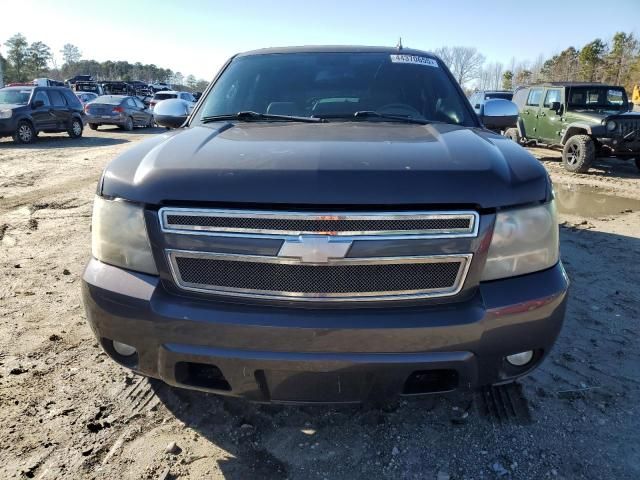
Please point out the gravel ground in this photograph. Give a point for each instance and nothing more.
(67, 411)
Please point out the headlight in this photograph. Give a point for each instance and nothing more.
(6, 113)
(611, 126)
(119, 236)
(525, 240)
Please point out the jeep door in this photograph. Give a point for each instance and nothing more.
(550, 121)
(531, 112)
(43, 117)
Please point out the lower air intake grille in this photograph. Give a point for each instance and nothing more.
(357, 280)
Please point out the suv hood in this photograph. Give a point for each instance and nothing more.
(592, 116)
(343, 164)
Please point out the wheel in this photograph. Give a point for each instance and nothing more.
(578, 153)
(637, 160)
(93, 126)
(513, 134)
(128, 124)
(25, 133)
(151, 122)
(75, 128)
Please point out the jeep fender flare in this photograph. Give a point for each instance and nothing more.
(578, 128)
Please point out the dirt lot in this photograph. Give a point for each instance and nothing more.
(67, 411)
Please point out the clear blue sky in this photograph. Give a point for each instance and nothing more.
(197, 36)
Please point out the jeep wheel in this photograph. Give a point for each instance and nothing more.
(578, 153)
(513, 134)
(24, 133)
(75, 128)
(93, 126)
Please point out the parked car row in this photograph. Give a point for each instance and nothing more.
(26, 111)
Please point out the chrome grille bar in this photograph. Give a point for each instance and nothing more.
(277, 224)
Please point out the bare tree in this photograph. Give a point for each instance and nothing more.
(464, 62)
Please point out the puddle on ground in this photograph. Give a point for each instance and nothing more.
(589, 202)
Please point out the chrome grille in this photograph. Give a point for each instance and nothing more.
(314, 260)
(344, 279)
(223, 222)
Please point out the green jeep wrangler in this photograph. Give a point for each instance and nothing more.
(587, 120)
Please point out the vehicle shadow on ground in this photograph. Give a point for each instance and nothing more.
(279, 442)
(135, 131)
(47, 143)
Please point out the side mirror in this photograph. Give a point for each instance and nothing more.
(555, 106)
(38, 104)
(171, 113)
(499, 114)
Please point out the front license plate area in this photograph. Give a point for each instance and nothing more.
(291, 386)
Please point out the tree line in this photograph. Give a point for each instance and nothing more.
(616, 61)
(26, 61)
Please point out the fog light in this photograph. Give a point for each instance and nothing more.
(123, 349)
(520, 359)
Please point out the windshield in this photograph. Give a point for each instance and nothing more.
(336, 85)
(16, 96)
(597, 98)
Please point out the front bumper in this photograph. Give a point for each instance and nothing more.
(8, 126)
(292, 354)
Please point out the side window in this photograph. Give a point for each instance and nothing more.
(138, 103)
(71, 99)
(552, 96)
(534, 97)
(131, 103)
(42, 96)
(56, 99)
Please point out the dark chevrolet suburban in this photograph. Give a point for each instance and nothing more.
(330, 224)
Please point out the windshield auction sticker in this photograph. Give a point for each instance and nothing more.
(414, 60)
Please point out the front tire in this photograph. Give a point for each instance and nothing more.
(25, 133)
(578, 153)
(75, 128)
(513, 134)
(637, 160)
(93, 126)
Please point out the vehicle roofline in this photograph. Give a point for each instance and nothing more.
(336, 49)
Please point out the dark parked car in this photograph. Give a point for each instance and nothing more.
(124, 111)
(79, 78)
(478, 98)
(587, 120)
(27, 111)
(92, 87)
(330, 224)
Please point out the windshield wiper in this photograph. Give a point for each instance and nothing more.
(364, 114)
(248, 116)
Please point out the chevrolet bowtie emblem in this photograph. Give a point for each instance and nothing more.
(314, 248)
